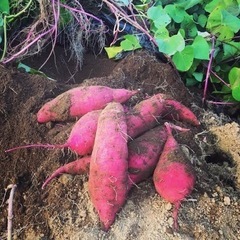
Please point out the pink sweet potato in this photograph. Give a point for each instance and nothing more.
(77, 167)
(174, 176)
(108, 177)
(78, 101)
(144, 153)
(145, 115)
(174, 110)
(81, 138)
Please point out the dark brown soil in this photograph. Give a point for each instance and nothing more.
(63, 210)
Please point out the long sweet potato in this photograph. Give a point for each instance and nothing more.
(78, 101)
(108, 178)
(146, 114)
(81, 138)
(174, 176)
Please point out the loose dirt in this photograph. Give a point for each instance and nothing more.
(64, 211)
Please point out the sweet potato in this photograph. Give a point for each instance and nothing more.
(174, 110)
(81, 138)
(78, 101)
(146, 114)
(77, 167)
(174, 176)
(108, 177)
(144, 153)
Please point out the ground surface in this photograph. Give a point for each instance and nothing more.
(63, 210)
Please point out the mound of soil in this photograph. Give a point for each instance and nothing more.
(63, 210)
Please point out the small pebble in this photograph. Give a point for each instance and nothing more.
(226, 200)
(170, 221)
(215, 194)
(168, 206)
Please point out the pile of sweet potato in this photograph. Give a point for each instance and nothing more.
(119, 147)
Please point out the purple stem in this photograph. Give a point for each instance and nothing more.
(228, 85)
(219, 78)
(53, 29)
(81, 11)
(208, 69)
(28, 46)
(56, 15)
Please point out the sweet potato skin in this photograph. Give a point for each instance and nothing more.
(108, 175)
(174, 177)
(174, 110)
(82, 136)
(144, 153)
(144, 115)
(76, 102)
(147, 114)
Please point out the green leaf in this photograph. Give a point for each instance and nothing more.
(191, 82)
(4, 6)
(194, 67)
(32, 70)
(175, 12)
(236, 93)
(226, 90)
(186, 4)
(130, 43)
(223, 22)
(232, 6)
(161, 33)
(202, 20)
(234, 79)
(231, 49)
(214, 19)
(65, 17)
(171, 45)
(198, 76)
(182, 32)
(231, 21)
(201, 48)
(183, 60)
(212, 5)
(189, 26)
(225, 33)
(113, 51)
(159, 16)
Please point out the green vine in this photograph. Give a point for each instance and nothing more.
(184, 31)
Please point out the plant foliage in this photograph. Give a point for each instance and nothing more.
(185, 31)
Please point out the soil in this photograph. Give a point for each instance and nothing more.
(63, 210)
